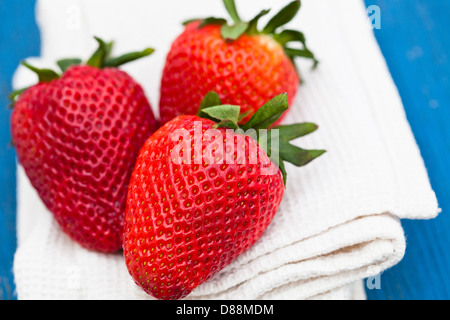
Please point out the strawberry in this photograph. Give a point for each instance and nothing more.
(203, 192)
(244, 65)
(77, 135)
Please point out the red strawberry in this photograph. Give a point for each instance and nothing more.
(77, 137)
(189, 216)
(244, 65)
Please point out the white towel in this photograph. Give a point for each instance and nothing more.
(339, 220)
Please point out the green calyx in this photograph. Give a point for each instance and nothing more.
(232, 32)
(275, 141)
(102, 58)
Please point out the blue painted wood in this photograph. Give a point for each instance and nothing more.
(19, 38)
(415, 40)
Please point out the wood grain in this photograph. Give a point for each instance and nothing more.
(415, 40)
(19, 38)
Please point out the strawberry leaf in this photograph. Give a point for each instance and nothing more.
(44, 75)
(102, 56)
(65, 64)
(253, 24)
(228, 124)
(16, 93)
(297, 156)
(286, 36)
(289, 36)
(186, 22)
(230, 5)
(268, 114)
(304, 53)
(231, 33)
(279, 148)
(224, 112)
(276, 142)
(211, 99)
(98, 58)
(109, 49)
(128, 57)
(283, 171)
(238, 28)
(297, 130)
(212, 20)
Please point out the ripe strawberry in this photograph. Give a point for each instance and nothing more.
(77, 136)
(188, 216)
(244, 65)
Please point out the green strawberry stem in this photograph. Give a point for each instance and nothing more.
(44, 75)
(232, 32)
(65, 64)
(253, 24)
(227, 116)
(129, 57)
(101, 58)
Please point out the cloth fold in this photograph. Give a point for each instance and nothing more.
(339, 220)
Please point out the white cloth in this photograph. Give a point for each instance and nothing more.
(339, 220)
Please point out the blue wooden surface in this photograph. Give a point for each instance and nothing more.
(415, 40)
